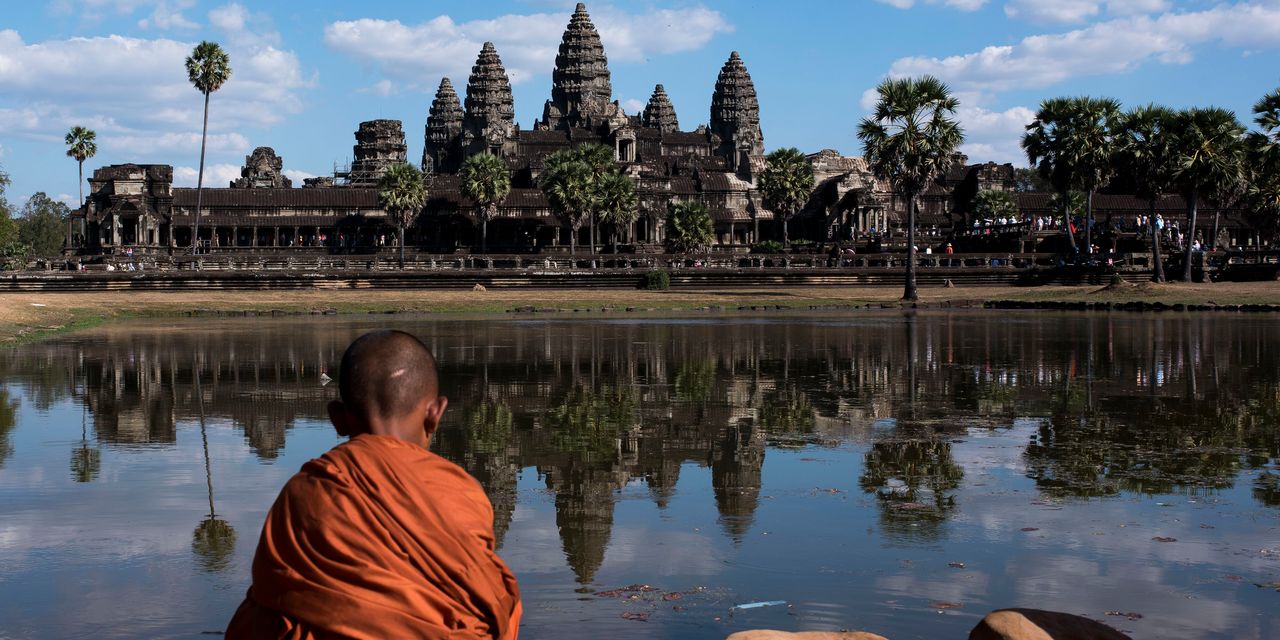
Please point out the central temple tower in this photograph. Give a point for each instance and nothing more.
(580, 88)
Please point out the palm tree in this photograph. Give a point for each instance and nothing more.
(486, 182)
(600, 159)
(785, 184)
(1264, 159)
(1209, 157)
(689, 226)
(566, 181)
(616, 199)
(908, 141)
(214, 539)
(82, 144)
(402, 192)
(1144, 153)
(208, 68)
(1069, 143)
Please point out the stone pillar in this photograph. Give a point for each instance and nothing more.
(253, 241)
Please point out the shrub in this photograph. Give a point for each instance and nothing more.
(768, 246)
(657, 281)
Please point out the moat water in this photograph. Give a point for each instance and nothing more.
(898, 473)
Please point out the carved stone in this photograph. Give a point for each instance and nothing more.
(444, 124)
(735, 112)
(262, 170)
(580, 88)
(490, 116)
(659, 113)
(379, 145)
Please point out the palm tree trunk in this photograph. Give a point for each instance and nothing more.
(401, 233)
(204, 137)
(1156, 259)
(1088, 223)
(909, 293)
(1192, 205)
(1066, 220)
(80, 184)
(786, 237)
(484, 234)
(1212, 242)
(573, 240)
(591, 223)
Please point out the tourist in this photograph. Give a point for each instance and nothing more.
(380, 537)
(949, 249)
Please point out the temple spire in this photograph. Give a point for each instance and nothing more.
(735, 112)
(659, 114)
(490, 115)
(444, 123)
(580, 87)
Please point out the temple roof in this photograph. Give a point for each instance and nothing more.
(580, 82)
(338, 197)
(659, 113)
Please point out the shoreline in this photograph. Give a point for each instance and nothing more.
(30, 317)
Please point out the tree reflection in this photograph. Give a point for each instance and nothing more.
(590, 422)
(8, 420)
(214, 540)
(912, 479)
(86, 461)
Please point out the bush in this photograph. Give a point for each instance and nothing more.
(768, 246)
(657, 281)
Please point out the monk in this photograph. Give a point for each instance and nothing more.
(379, 537)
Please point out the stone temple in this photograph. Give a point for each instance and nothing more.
(135, 207)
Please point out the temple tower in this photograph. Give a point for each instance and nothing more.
(659, 114)
(489, 120)
(262, 169)
(379, 145)
(735, 114)
(580, 86)
(441, 151)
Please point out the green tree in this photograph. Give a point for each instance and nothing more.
(1264, 162)
(1070, 144)
(991, 204)
(1209, 151)
(1028, 180)
(40, 229)
(402, 192)
(9, 245)
(617, 202)
(909, 140)
(786, 184)
(486, 182)
(1144, 154)
(689, 227)
(81, 144)
(208, 68)
(566, 181)
(600, 159)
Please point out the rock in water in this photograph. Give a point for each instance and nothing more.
(1037, 624)
(769, 634)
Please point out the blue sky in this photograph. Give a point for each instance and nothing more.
(305, 74)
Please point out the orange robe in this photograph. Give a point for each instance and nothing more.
(379, 538)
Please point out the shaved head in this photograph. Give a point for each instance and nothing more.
(386, 375)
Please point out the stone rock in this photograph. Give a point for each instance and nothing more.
(478, 287)
(379, 145)
(1037, 624)
(769, 634)
(262, 170)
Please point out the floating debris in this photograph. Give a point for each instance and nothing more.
(1129, 615)
(638, 616)
(1164, 539)
(757, 605)
(943, 605)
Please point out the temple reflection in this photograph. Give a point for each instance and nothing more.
(1123, 403)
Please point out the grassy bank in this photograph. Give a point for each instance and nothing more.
(31, 316)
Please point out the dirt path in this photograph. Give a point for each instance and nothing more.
(29, 316)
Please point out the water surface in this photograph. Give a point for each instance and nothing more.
(901, 473)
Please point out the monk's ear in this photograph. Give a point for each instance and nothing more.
(435, 411)
(340, 418)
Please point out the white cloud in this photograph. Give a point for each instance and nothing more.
(146, 143)
(1079, 10)
(994, 135)
(420, 54)
(382, 87)
(165, 16)
(297, 176)
(242, 28)
(633, 106)
(129, 89)
(1110, 47)
(963, 5)
(216, 175)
